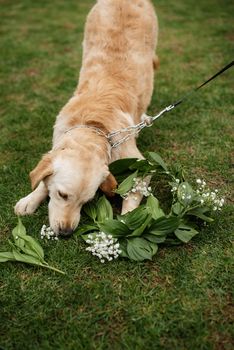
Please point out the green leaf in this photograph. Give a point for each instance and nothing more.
(154, 248)
(142, 165)
(32, 245)
(199, 212)
(172, 242)
(90, 209)
(139, 231)
(177, 208)
(93, 234)
(155, 158)
(6, 256)
(28, 259)
(155, 239)
(114, 228)
(123, 248)
(185, 233)
(127, 184)
(85, 228)
(121, 166)
(185, 193)
(164, 225)
(135, 218)
(153, 207)
(20, 228)
(178, 172)
(104, 209)
(17, 231)
(140, 249)
(30, 252)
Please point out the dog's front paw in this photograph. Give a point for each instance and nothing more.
(26, 205)
(131, 202)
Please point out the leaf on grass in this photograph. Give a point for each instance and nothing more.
(126, 185)
(164, 225)
(86, 228)
(114, 228)
(139, 231)
(32, 245)
(90, 209)
(177, 208)
(172, 242)
(123, 248)
(140, 249)
(155, 239)
(142, 165)
(93, 234)
(30, 252)
(199, 212)
(25, 258)
(121, 166)
(178, 172)
(104, 209)
(6, 256)
(135, 218)
(185, 193)
(20, 228)
(153, 207)
(185, 233)
(156, 159)
(17, 231)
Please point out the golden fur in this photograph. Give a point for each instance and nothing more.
(114, 90)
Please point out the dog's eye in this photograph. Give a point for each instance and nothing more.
(63, 195)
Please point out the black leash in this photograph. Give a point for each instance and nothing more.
(148, 121)
(206, 82)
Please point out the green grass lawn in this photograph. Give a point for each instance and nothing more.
(183, 298)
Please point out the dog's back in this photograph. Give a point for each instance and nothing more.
(119, 53)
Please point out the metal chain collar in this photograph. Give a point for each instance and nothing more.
(131, 130)
(135, 129)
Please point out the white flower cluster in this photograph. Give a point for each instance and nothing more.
(141, 187)
(208, 197)
(176, 185)
(103, 246)
(48, 233)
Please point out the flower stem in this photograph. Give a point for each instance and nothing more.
(53, 268)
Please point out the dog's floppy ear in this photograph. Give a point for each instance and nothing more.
(42, 170)
(109, 185)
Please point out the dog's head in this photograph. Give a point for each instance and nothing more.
(72, 178)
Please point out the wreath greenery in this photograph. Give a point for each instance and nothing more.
(137, 234)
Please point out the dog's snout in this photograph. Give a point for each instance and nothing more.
(65, 233)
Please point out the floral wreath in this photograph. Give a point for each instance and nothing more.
(137, 234)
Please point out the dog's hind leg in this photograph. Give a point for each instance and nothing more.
(29, 204)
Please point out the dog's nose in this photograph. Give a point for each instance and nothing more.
(65, 233)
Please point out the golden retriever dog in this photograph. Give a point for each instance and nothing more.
(114, 90)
